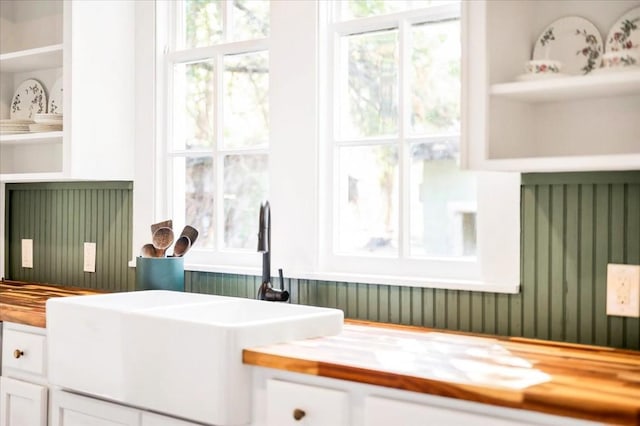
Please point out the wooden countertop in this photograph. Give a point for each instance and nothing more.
(24, 303)
(594, 383)
(588, 382)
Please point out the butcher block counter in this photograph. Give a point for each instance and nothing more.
(24, 303)
(586, 382)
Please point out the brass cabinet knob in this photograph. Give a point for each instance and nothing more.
(298, 414)
(17, 353)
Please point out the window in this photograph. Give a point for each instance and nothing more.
(217, 109)
(398, 203)
(346, 115)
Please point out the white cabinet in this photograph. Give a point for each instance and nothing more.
(23, 388)
(384, 411)
(22, 403)
(68, 409)
(23, 352)
(296, 404)
(89, 46)
(582, 122)
(278, 394)
(152, 419)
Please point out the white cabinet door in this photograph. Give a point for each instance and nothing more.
(296, 404)
(384, 412)
(22, 403)
(68, 409)
(151, 419)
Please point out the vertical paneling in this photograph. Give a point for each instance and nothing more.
(542, 258)
(528, 259)
(572, 225)
(632, 248)
(587, 250)
(556, 264)
(571, 264)
(601, 242)
(60, 218)
(616, 253)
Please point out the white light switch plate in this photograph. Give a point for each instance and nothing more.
(623, 290)
(89, 257)
(27, 253)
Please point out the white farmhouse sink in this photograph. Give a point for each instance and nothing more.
(176, 353)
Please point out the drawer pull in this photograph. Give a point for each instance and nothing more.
(17, 353)
(298, 414)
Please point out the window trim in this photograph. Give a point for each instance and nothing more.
(171, 56)
(477, 273)
(295, 137)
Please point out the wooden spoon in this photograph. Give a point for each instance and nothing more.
(162, 239)
(183, 244)
(191, 233)
(163, 224)
(148, 250)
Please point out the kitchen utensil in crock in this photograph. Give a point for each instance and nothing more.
(162, 239)
(148, 250)
(183, 244)
(191, 232)
(164, 224)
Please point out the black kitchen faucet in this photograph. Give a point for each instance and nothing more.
(266, 291)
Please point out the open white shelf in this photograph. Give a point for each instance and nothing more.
(31, 177)
(31, 138)
(572, 123)
(599, 85)
(566, 163)
(32, 59)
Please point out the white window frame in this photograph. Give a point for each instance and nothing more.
(479, 272)
(299, 182)
(238, 258)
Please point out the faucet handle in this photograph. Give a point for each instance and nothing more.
(281, 278)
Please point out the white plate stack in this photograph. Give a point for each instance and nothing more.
(46, 123)
(14, 126)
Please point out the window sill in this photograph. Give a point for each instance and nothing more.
(465, 285)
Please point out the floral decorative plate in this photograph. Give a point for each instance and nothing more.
(625, 33)
(29, 99)
(55, 98)
(572, 40)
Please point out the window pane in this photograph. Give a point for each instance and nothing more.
(201, 23)
(368, 204)
(435, 78)
(196, 174)
(193, 103)
(443, 202)
(351, 9)
(245, 187)
(250, 19)
(368, 82)
(246, 100)
(362, 8)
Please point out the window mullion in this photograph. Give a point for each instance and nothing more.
(339, 66)
(218, 158)
(403, 147)
(226, 20)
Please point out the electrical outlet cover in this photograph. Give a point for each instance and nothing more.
(27, 253)
(623, 290)
(89, 257)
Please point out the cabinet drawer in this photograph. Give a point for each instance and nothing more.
(296, 404)
(24, 352)
(380, 411)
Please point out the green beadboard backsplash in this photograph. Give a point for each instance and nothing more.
(573, 224)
